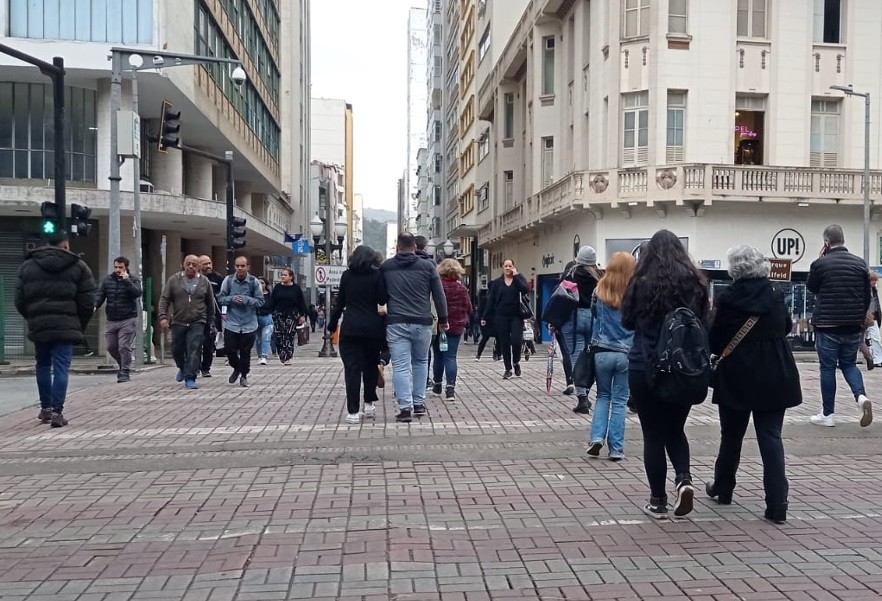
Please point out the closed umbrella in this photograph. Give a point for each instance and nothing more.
(549, 372)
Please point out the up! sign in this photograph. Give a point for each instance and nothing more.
(788, 244)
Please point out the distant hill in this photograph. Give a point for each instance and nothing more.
(380, 215)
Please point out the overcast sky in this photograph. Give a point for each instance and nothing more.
(359, 54)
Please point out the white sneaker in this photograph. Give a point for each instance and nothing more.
(866, 409)
(353, 418)
(370, 410)
(262, 361)
(824, 420)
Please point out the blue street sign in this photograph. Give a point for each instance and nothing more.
(301, 247)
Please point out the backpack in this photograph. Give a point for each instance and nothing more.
(679, 370)
(563, 301)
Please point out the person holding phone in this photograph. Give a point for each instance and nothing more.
(121, 290)
(503, 308)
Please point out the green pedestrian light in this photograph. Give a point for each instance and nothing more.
(49, 213)
(49, 227)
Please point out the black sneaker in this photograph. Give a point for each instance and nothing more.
(517, 371)
(419, 410)
(57, 420)
(403, 416)
(449, 394)
(506, 375)
(657, 508)
(234, 376)
(594, 449)
(123, 378)
(206, 373)
(44, 416)
(436, 388)
(527, 356)
(685, 497)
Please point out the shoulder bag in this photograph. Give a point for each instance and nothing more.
(715, 360)
(583, 370)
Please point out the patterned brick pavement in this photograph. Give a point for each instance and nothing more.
(154, 492)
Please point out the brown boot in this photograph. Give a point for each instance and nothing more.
(58, 420)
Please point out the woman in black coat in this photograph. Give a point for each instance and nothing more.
(759, 377)
(503, 311)
(363, 331)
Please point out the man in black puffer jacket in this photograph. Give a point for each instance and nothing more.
(55, 293)
(841, 282)
(121, 290)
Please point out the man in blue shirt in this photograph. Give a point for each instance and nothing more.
(240, 297)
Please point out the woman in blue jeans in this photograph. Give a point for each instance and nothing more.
(577, 331)
(263, 340)
(611, 341)
(459, 308)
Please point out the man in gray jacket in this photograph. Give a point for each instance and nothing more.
(240, 297)
(412, 284)
(186, 305)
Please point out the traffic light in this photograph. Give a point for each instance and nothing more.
(49, 212)
(169, 126)
(237, 233)
(79, 220)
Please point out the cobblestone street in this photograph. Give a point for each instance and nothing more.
(156, 492)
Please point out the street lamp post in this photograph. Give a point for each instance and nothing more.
(317, 227)
(55, 71)
(849, 91)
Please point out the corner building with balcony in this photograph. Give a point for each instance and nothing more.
(264, 122)
(612, 119)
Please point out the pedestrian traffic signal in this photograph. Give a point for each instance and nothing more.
(79, 220)
(169, 126)
(49, 212)
(237, 233)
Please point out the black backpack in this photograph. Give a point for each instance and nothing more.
(679, 370)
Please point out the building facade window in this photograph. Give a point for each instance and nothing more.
(674, 151)
(467, 117)
(752, 18)
(436, 130)
(436, 196)
(635, 128)
(247, 101)
(678, 16)
(258, 50)
(128, 22)
(824, 143)
(750, 119)
(635, 18)
(547, 174)
(27, 134)
(484, 144)
(548, 65)
(484, 45)
(484, 198)
(828, 21)
(467, 202)
(508, 189)
(438, 159)
(508, 126)
(467, 159)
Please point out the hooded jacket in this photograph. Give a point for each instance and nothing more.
(121, 296)
(760, 374)
(412, 285)
(55, 293)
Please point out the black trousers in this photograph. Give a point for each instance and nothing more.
(511, 339)
(487, 333)
(187, 347)
(565, 357)
(208, 350)
(768, 425)
(360, 356)
(238, 347)
(663, 426)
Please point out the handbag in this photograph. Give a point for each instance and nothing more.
(302, 335)
(526, 312)
(583, 370)
(715, 360)
(563, 301)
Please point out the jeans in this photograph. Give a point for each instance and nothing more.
(445, 361)
(238, 346)
(187, 347)
(263, 340)
(53, 364)
(608, 425)
(510, 331)
(119, 337)
(360, 356)
(663, 426)
(409, 347)
(577, 333)
(838, 349)
(768, 425)
(565, 357)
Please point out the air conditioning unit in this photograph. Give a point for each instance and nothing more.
(146, 186)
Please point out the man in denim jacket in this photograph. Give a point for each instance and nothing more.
(240, 297)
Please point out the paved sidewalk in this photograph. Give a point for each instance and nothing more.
(156, 492)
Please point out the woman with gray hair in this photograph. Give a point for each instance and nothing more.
(755, 375)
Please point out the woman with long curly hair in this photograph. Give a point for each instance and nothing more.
(611, 342)
(665, 279)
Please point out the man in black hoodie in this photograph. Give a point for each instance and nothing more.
(55, 293)
(412, 284)
(121, 290)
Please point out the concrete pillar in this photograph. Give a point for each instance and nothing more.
(198, 180)
(167, 172)
(219, 182)
(243, 195)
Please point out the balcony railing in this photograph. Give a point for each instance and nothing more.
(688, 185)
